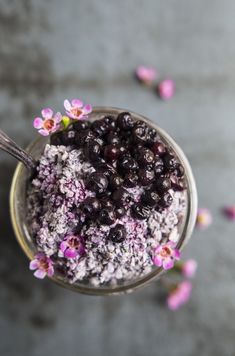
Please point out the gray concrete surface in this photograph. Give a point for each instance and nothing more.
(50, 50)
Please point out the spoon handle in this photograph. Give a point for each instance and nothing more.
(9, 146)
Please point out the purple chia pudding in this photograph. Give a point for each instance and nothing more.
(107, 202)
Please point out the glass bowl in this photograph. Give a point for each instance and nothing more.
(18, 210)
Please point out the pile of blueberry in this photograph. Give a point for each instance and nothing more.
(125, 153)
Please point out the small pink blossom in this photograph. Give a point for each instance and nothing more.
(49, 123)
(72, 246)
(180, 295)
(166, 255)
(229, 212)
(189, 268)
(42, 265)
(76, 109)
(204, 218)
(145, 74)
(166, 89)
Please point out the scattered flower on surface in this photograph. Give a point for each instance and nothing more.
(189, 268)
(166, 255)
(76, 109)
(72, 246)
(42, 265)
(166, 89)
(204, 218)
(229, 212)
(145, 74)
(179, 295)
(49, 123)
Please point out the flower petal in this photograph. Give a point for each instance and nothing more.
(50, 271)
(168, 263)
(173, 302)
(70, 253)
(63, 246)
(67, 105)
(87, 109)
(146, 74)
(34, 264)
(37, 122)
(166, 89)
(43, 132)
(57, 117)
(47, 113)
(39, 273)
(77, 103)
(157, 260)
(176, 254)
(189, 268)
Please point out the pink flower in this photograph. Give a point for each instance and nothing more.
(72, 246)
(229, 211)
(166, 255)
(204, 218)
(166, 89)
(49, 123)
(145, 74)
(43, 266)
(180, 295)
(189, 268)
(76, 109)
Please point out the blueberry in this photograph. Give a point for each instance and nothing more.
(121, 197)
(90, 207)
(179, 170)
(104, 168)
(97, 182)
(131, 180)
(162, 184)
(107, 216)
(123, 150)
(135, 150)
(115, 182)
(140, 133)
(158, 166)
(111, 152)
(100, 127)
(79, 125)
(145, 157)
(106, 203)
(56, 138)
(120, 212)
(84, 137)
(176, 183)
(146, 177)
(158, 148)
(152, 137)
(110, 121)
(112, 138)
(68, 137)
(166, 200)
(140, 212)
(127, 164)
(125, 121)
(170, 162)
(92, 150)
(117, 234)
(150, 198)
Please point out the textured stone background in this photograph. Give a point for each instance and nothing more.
(50, 50)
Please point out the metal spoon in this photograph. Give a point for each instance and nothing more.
(9, 146)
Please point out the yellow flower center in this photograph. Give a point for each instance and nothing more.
(166, 251)
(76, 112)
(48, 124)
